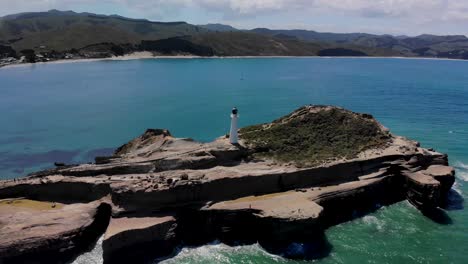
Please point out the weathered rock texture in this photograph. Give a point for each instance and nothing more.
(37, 232)
(286, 181)
(133, 239)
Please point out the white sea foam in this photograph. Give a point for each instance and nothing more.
(461, 171)
(462, 175)
(220, 253)
(92, 257)
(457, 188)
(373, 221)
(461, 165)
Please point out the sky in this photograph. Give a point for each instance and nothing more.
(396, 17)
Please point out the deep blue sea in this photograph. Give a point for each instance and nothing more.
(72, 112)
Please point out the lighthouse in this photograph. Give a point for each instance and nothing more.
(233, 137)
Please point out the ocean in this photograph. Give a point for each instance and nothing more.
(71, 112)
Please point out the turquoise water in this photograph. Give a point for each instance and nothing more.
(73, 112)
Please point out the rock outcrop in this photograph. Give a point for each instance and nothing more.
(133, 239)
(40, 232)
(285, 182)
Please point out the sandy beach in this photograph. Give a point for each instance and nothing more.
(131, 56)
(150, 55)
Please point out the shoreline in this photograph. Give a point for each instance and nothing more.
(148, 55)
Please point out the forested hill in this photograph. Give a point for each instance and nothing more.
(64, 34)
(452, 46)
(63, 30)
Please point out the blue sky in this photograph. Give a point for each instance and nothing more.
(397, 17)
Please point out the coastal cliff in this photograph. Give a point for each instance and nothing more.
(287, 181)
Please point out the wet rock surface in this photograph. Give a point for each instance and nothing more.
(164, 191)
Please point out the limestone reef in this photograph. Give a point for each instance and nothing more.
(287, 181)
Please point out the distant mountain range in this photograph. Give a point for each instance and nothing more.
(56, 33)
(455, 46)
(219, 27)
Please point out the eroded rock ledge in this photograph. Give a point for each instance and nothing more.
(285, 182)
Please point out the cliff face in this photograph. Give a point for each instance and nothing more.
(34, 232)
(286, 182)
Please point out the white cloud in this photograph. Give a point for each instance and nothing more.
(242, 7)
(416, 9)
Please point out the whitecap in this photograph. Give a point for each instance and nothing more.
(373, 221)
(461, 171)
(461, 165)
(216, 252)
(210, 252)
(462, 175)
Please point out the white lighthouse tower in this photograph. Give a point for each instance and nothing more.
(233, 136)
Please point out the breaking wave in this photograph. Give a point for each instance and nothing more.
(94, 256)
(373, 221)
(217, 252)
(461, 165)
(462, 175)
(457, 188)
(461, 171)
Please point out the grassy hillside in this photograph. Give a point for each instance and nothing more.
(250, 44)
(91, 35)
(241, 43)
(310, 35)
(455, 46)
(66, 30)
(312, 135)
(219, 27)
(57, 34)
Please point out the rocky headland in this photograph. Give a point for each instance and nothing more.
(287, 181)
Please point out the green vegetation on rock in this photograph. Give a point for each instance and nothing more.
(251, 44)
(313, 135)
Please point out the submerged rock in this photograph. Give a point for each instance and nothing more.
(285, 182)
